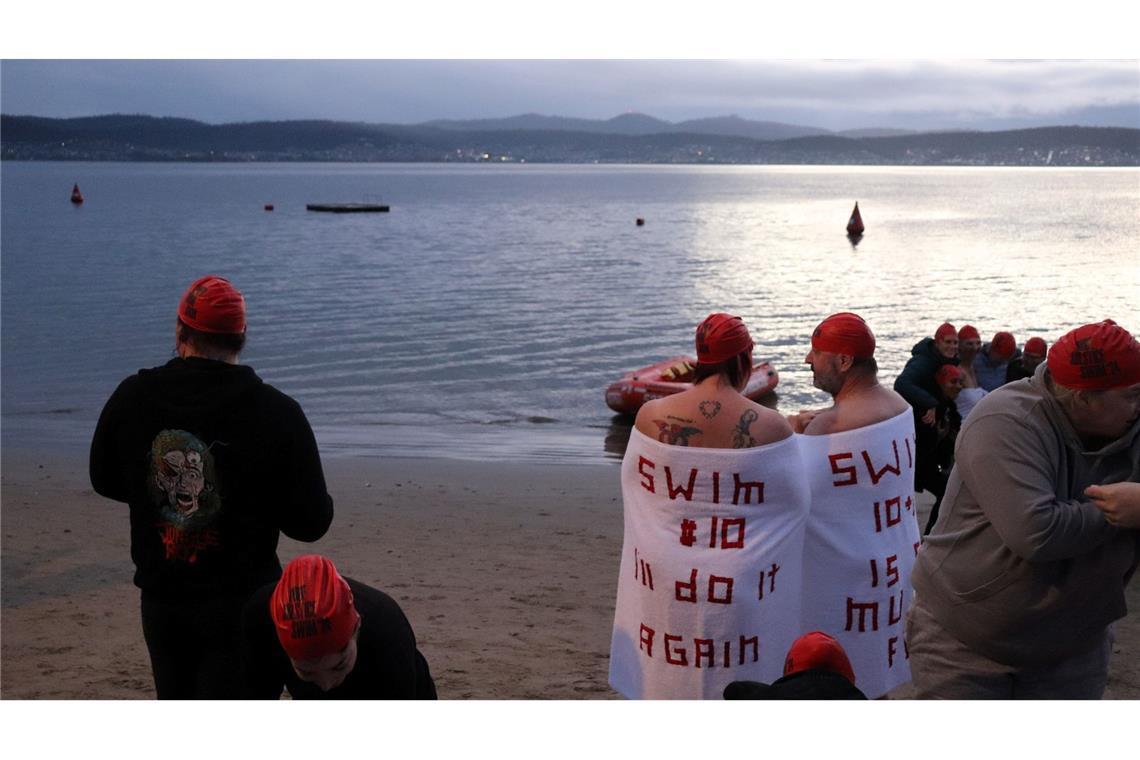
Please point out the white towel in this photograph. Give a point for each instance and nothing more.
(860, 545)
(709, 590)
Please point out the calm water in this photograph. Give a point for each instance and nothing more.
(483, 317)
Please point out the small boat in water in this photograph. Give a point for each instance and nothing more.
(76, 196)
(674, 375)
(855, 223)
(346, 208)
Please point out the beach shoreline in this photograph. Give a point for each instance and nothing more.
(507, 572)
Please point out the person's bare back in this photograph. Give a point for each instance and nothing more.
(711, 415)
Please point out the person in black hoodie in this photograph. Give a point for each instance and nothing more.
(916, 383)
(322, 636)
(215, 465)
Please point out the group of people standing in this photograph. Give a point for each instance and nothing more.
(944, 379)
(1015, 586)
(1021, 575)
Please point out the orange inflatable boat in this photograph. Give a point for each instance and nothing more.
(673, 376)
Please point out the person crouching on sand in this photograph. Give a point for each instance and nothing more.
(714, 413)
(322, 636)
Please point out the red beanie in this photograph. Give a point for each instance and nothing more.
(1035, 347)
(945, 330)
(1003, 345)
(312, 609)
(721, 337)
(1095, 357)
(844, 333)
(212, 305)
(969, 332)
(946, 373)
(818, 651)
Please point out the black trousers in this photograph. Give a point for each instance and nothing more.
(194, 646)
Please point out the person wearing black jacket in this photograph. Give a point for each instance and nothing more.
(215, 464)
(322, 636)
(916, 383)
(1025, 365)
(934, 444)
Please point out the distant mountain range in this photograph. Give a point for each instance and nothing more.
(640, 124)
(629, 138)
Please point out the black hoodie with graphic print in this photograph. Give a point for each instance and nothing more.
(214, 464)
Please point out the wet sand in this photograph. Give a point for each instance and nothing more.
(507, 573)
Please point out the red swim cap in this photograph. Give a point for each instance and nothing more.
(818, 651)
(946, 373)
(312, 609)
(721, 337)
(1095, 357)
(844, 333)
(212, 305)
(945, 330)
(1035, 347)
(1003, 345)
(969, 332)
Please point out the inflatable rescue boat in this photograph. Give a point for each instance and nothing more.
(670, 376)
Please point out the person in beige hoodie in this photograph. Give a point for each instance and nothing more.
(1020, 579)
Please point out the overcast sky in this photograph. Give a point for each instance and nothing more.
(817, 66)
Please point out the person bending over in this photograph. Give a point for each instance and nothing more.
(322, 636)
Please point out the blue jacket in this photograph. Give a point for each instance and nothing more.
(991, 376)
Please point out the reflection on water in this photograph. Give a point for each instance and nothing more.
(617, 436)
(488, 311)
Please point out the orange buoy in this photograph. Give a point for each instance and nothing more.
(855, 224)
(268, 206)
(76, 196)
(640, 222)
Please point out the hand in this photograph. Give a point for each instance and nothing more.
(799, 422)
(1120, 503)
(929, 418)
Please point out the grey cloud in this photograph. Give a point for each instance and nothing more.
(835, 94)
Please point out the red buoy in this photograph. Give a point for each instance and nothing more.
(76, 196)
(268, 206)
(855, 224)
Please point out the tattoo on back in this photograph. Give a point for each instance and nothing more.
(709, 409)
(741, 436)
(676, 434)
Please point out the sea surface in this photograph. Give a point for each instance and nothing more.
(483, 317)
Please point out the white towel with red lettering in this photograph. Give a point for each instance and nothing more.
(861, 539)
(709, 591)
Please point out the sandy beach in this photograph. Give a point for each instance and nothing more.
(507, 573)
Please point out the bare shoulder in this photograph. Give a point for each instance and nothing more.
(824, 423)
(668, 421)
(645, 415)
(883, 404)
(892, 402)
(758, 425)
(773, 425)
